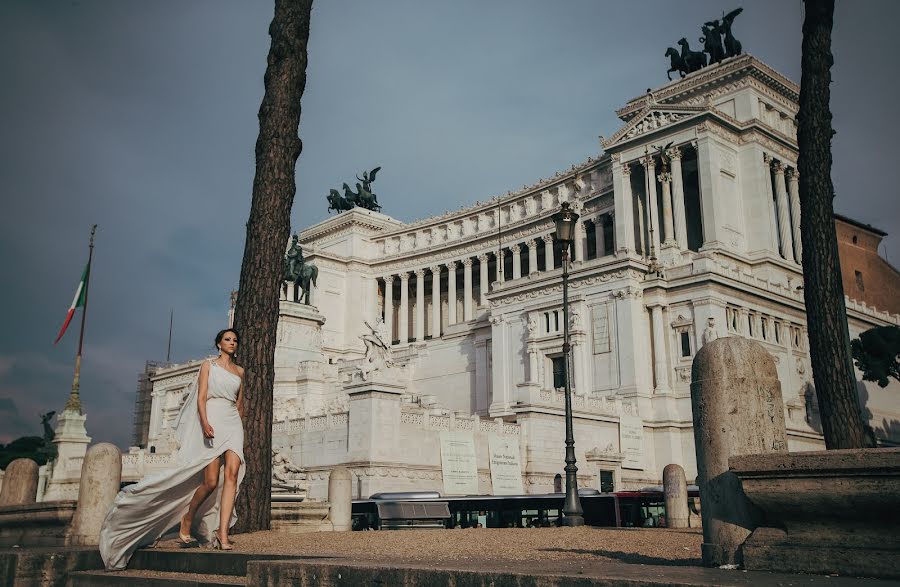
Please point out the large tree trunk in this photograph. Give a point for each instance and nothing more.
(256, 311)
(829, 339)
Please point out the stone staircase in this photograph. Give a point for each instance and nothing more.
(174, 568)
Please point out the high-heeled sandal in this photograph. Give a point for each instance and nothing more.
(219, 545)
(186, 540)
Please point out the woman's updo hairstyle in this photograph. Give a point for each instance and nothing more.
(222, 333)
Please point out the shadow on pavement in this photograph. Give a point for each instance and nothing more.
(633, 558)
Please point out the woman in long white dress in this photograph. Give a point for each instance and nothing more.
(194, 496)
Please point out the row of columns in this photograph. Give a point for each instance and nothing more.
(674, 220)
(787, 208)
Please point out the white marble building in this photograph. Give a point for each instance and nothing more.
(669, 252)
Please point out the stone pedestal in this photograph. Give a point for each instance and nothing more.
(294, 515)
(71, 442)
(825, 512)
(374, 422)
(737, 407)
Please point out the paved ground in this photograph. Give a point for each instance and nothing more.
(630, 545)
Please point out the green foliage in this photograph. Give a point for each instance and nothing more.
(876, 353)
(26, 447)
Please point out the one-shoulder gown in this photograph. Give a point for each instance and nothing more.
(145, 511)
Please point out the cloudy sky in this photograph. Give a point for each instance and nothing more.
(141, 117)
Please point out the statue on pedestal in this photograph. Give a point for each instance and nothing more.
(286, 476)
(710, 334)
(378, 351)
(298, 272)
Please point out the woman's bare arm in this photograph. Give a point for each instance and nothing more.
(202, 392)
(240, 397)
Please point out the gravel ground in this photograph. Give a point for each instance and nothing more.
(631, 545)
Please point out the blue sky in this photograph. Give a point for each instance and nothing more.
(141, 117)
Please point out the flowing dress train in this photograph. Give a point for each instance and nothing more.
(145, 511)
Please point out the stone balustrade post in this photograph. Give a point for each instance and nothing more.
(676, 494)
(340, 498)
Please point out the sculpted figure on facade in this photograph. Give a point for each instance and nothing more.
(286, 476)
(378, 352)
(710, 333)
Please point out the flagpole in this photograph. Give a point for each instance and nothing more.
(74, 402)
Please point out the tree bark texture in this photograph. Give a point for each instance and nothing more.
(829, 339)
(268, 228)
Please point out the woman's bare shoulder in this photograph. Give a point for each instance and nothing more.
(240, 371)
(204, 367)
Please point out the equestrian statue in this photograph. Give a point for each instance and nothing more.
(302, 274)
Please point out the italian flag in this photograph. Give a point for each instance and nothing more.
(78, 302)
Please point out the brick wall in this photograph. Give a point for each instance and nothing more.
(867, 277)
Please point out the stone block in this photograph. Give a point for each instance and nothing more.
(35, 524)
(834, 511)
(737, 409)
(675, 490)
(20, 483)
(340, 498)
(101, 475)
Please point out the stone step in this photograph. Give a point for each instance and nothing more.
(197, 560)
(145, 578)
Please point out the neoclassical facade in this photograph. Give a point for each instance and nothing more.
(688, 231)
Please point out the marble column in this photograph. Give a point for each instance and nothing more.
(651, 203)
(642, 223)
(389, 306)
(578, 245)
(549, 255)
(435, 301)
(600, 235)
(665, 179)
(451, 293)
(485, 280)
(403, 319)
(660, 362)
(624, 203)
(772, 216)
(420, 305)
(467, 288)
(793, 179)
(532, 256)
(678, 213)
(784, 221)
(499, 265)
(516, 261)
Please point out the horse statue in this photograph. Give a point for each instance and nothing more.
(302, 274)
(677, 63)
(693, 60)
(337, 202)
(712, 41)
(732, 46)
(361, 197)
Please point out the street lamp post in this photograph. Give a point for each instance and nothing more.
(565, 221)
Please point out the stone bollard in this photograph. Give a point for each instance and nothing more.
(20, 483)
(675, 489)
(340, 498)
(101, 474)
(737, 406)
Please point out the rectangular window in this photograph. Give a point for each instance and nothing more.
(607, 482)
(685, 344)
(859, 281)
(559, 372)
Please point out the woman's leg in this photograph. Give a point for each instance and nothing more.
(229, 488)
(209, 484)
